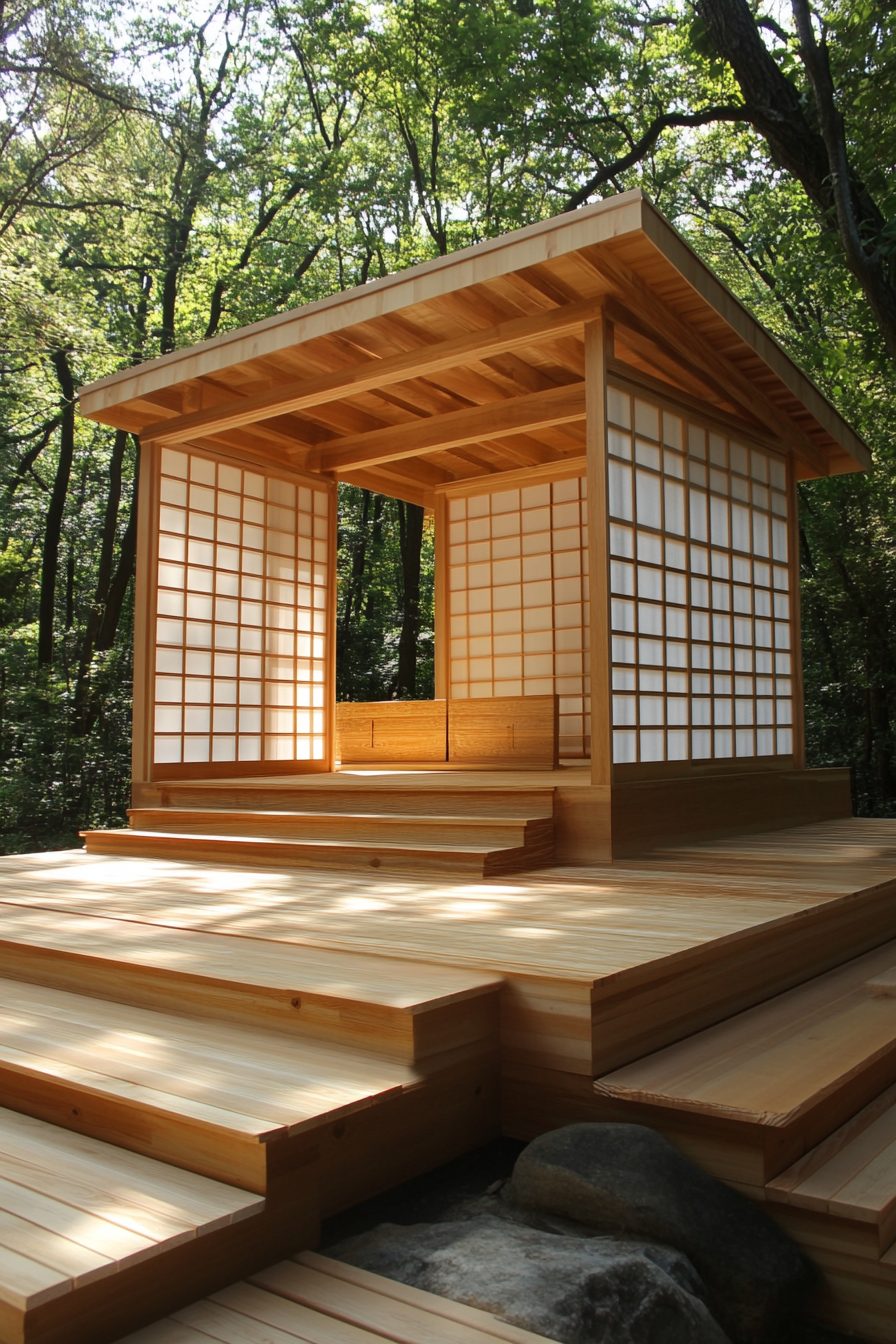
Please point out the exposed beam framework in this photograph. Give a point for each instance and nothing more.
(641, 309)
(374, 374)
(538, 410)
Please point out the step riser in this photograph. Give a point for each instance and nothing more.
(346, 858)
(753, 1154)
(352, 830)
(285, 855)
(169, 1138)
(867, 1241)
(386, 1032)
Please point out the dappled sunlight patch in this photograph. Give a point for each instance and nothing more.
(534, 933)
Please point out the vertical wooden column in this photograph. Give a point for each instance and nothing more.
(597, 336)
(442, 631)
(796, 649)
(333, 577)
(146, 580)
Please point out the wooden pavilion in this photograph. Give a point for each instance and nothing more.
(339, 945)
(610, 445)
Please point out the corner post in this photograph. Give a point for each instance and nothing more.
(442, 622)
(146, 582)
(796, 641)
(597, 339)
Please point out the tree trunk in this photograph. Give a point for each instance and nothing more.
(817, 159)
(127, 558)
(53, 527)
(103, 580)
(410, 529)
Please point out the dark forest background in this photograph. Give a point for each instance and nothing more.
(170, 170)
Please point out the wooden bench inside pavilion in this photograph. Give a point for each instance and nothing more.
(340, 944)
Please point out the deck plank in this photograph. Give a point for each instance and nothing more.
(774, 1062)
(128, 1176)
(189, 1066)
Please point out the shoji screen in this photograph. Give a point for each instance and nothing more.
(700, 586)
(518, 597)
(241, 626)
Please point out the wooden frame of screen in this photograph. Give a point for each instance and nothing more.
(603, 369)
(144, 769)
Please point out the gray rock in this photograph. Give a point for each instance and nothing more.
(595, 1290)
(627, 1179)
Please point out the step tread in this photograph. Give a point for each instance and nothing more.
(289, 843)
(852, 1174)
(347, 1306)
(75, 1209)
(325, 973)
(315, 1282)
(776, 1061)
(245, 1080)
(415, 818)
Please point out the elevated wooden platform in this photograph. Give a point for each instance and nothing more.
(313, 1036)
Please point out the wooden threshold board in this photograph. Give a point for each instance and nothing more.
(317, 1300)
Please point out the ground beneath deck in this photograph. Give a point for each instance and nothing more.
(463, 1187)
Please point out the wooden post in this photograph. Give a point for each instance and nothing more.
(596, 351)
(442, 617)
(796, 650)
(333, 556)
(146, 578)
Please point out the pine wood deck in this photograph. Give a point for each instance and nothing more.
(317, 1300)
(319, 1035)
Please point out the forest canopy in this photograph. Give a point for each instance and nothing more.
(172, 170)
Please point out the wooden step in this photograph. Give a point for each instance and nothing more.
(84, 1225)
(210, 1098)
(842, 1195)
(322, 1301)
(401, 793)
(433, 856)
(857, 1296)
(753, 1094)
(362, 828)
(258, 1108)
(404, 1010)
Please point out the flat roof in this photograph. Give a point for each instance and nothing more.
(478, 359)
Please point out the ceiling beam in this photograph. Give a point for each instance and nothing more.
(537, 410)
(649, 315)
(373, 374)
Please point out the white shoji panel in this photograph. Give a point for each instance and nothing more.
(699, 591)
(518, 584)
(241, 622)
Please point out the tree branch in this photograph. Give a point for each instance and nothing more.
(666, 121)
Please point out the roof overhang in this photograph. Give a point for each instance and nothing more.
(473, 364)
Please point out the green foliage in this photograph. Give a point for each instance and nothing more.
(371, 600)
(168, 173)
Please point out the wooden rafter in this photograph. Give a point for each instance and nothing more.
(374, 374)
(538, 410)
(636, 305)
